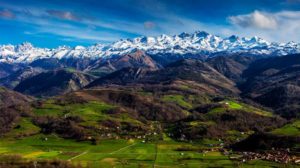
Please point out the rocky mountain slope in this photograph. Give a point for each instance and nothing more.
(13, 79)
(231, 66)
(136, 59)
(54, 82)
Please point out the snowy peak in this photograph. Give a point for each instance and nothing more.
(199, 42)
(24, 47)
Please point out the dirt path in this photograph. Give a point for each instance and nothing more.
(83, 153)
(123, 148)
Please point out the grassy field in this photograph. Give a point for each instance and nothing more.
(234, 105)
(120, 153)
(292, 129)
(91, 112)
(178, 99)
(87, 109)
(24, 128)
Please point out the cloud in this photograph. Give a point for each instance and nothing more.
(155, 19)
(149, 25)
(163, 22)
(68, 31)
(65, 15)
(7, 14)
(256, 19)
(78, 34)
(282, 26)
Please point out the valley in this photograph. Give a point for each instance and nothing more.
(125, 153)
(140, 109)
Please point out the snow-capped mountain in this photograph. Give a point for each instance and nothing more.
(199, 42)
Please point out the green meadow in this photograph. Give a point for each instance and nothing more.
(178, 99)
(291, 129)
(120, 153)
(234, 105)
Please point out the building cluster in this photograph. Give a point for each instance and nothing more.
(274, 156)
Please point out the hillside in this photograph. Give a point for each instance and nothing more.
(274, 82)
(135, 59)
(193, 73)
(14, 78)
(231, 66)
(10, 98)
(6, 69)
(12, 106)
(53, 83)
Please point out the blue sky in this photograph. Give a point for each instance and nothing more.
(50, 23)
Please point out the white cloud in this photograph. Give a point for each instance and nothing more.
(86, 33)
(256, 19)
(280, 26)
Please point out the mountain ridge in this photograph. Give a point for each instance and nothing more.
(199, 42)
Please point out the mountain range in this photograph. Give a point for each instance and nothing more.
(185, 44)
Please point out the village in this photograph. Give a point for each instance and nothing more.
(279, 156)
